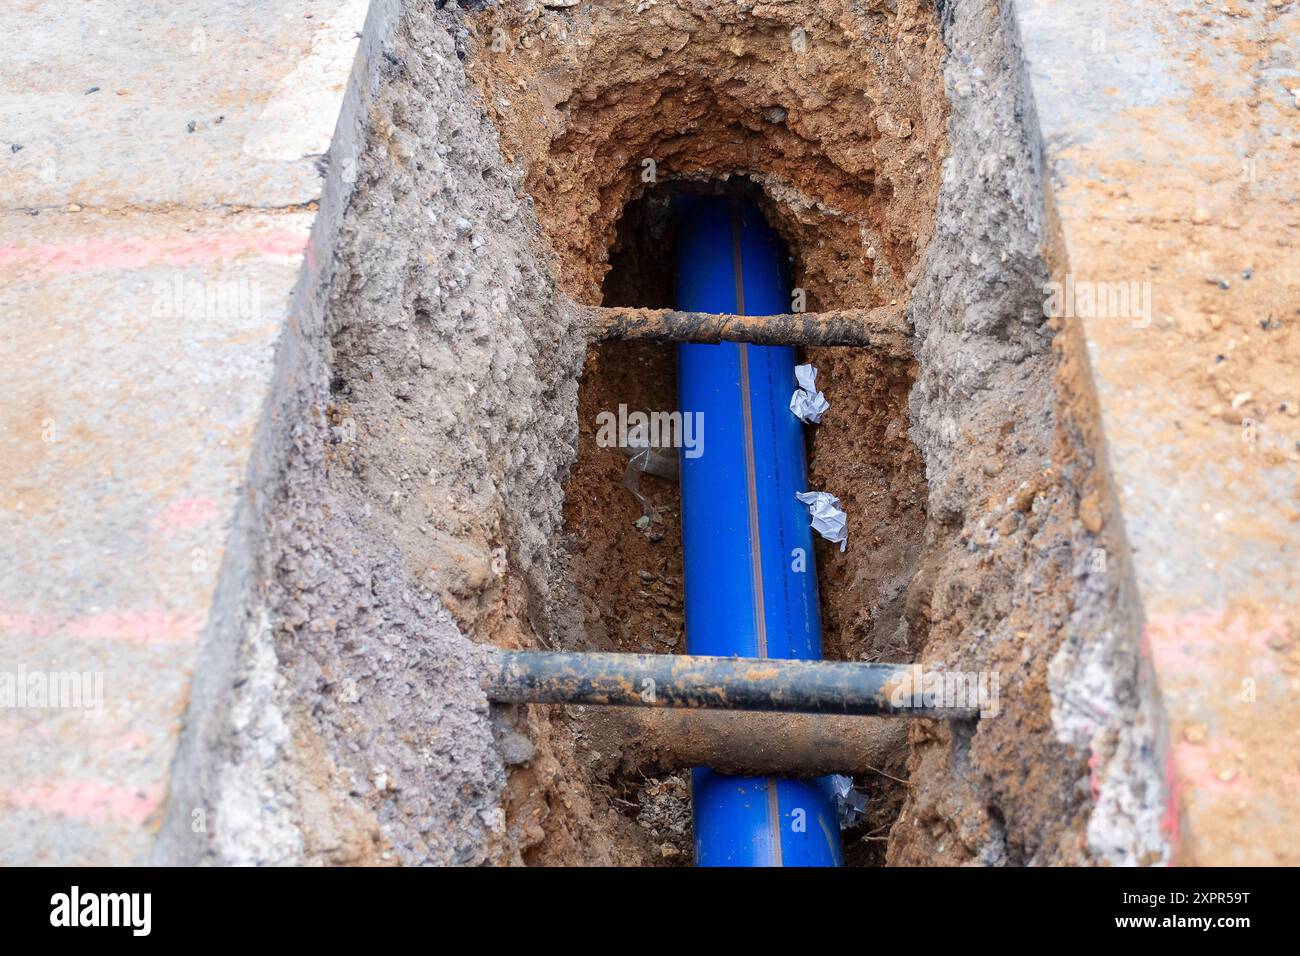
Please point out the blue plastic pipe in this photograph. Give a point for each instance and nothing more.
(750, 577)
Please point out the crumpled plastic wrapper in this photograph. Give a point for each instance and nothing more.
(828, 518)
(643, 459)
(808, 404)
(850, 802)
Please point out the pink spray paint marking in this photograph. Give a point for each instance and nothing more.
(184, 515)
(1200, 765)
(1185, 644)
(93, 801)
(1171, 823)
(135, 253)
(1198, 656)
(138, 627)
(131, 627)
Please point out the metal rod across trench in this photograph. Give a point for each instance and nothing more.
(716, 683)
(879, 329)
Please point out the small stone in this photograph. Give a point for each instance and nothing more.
(1216, 320)
(1200, 217)
(1024, 498)
(643, 522)
(1090, 513)
(992, 467)
(1010, 521)
(1290, 408)
(775, 114)
(516, 749)
(1194, 733)
(1279, 642)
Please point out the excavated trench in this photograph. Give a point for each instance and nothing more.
(834, 123)
(965, 473)
(626, 563)
(445, 489)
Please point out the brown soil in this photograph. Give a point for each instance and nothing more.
(861, 452)
(629, 579)
(839, 115)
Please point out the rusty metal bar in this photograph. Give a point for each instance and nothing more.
(719, 683)
(878, 329)
(747, 743)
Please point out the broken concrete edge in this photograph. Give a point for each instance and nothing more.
(1113, 103)
(1122, 769)
(182, 837)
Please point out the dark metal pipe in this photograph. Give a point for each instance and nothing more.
(722, 683)
(878, 329)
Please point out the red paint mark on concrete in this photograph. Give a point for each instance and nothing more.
(91, 800)
(138, 627)
(1171, 823)
(14, 623)
(1186, 644)
(135, 253)
(185, 514)
(132, 627)
(1209, 767)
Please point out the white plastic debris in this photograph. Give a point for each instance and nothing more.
(643, 458)
(808, 404)
(828, 518)
(850, 802)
